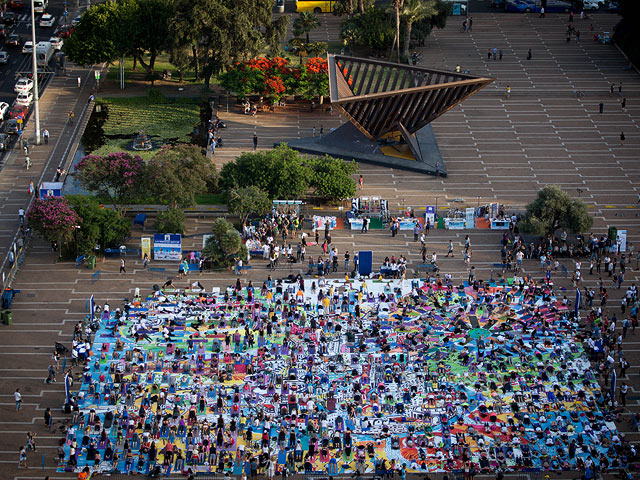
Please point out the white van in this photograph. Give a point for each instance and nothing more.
(40, 6)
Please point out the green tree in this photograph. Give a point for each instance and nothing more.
(223, 32)
(225, 244)
(53, 218)
(118, 176)
(280, 172)
(129, 27)
(99, 226)
(96, 38)
(414, 11)
(554, 209)
(303, 25)
(245, 201)
(369, 29)
(171, 220)
(421, 29)
(176, 174)
(331, 178)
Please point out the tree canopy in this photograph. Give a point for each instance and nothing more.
(53, 218)
(554, 209)
(98, 226)
(225, 244)
(129, 27)
(247, 200)
(176, 174)
(117, 176)
(627, 35)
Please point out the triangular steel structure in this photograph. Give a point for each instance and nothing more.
(381, 97)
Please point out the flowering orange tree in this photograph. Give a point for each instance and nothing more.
(317, 78)
(276, 77)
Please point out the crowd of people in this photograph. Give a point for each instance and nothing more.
(347, 376)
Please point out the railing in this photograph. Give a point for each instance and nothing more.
(9, 274)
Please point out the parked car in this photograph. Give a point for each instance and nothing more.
(56, 43)
(24, 98)
(527, 6)
(4, 57)
(47, 21)
(12, 126)
(4, 109)
(592, 4)
(14, 40)
(27, 47)
(16, 4)
(23, 85)
(18, 111)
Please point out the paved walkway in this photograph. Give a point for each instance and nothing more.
(61, 95)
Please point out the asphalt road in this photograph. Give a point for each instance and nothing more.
(20, 64)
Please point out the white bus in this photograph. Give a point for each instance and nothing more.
(40, 6)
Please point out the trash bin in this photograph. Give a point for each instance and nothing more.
(7, 297)
(7, 317)
(91, 262)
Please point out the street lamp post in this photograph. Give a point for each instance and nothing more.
(35, 75)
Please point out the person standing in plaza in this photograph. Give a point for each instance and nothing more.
(601, 107)
(122, 263)
(529, 55)
(470, 23)
(21, 216)
(622, 137)
(255, 142)
(18, 398)
(45, 135)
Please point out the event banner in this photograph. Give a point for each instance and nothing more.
(167, 246)
(145, 247)
(430, 215)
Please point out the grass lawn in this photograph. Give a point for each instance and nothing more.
(139, 74)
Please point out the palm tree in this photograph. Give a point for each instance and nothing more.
(306, 22)
(414, 11)
(397, 6)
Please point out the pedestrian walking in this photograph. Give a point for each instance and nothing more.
(622, 138)
(500, 54)
(313, 132)
(495, 53)
(21, 215)
(79, 82)
(508, 90)
(22, 462)
(145, 261)
(321, 130)
(27, 162)
(624, 103)
(541, 12)
(18, 398)
(611, 87)
(470, 23)
(45, 135)
(601, 107)
(48, 418)
(620, 88)
(71, 115)
(361, 182)
(255, 142)
(31, 190)
(489, 54)
(529, 55)
(122, 269)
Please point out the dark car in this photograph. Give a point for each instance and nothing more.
(12, 126)
(4, 141)
(8, 18)
(14, 40)
(16, 4)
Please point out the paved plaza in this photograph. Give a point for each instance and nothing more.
(497, 147)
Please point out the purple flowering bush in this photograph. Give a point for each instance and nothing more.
(53, 218)
(118, 176)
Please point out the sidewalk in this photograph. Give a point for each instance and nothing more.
(61, 95)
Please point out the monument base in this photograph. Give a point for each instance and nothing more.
(349, 143)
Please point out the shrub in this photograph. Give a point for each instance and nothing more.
(170, 221)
